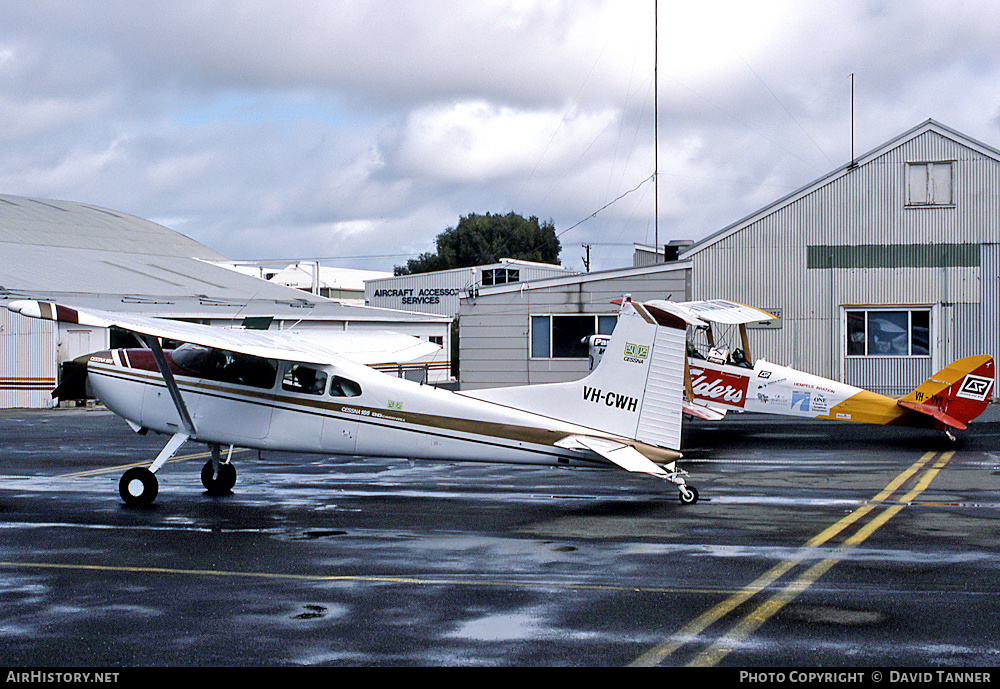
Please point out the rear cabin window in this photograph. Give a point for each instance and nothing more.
(226, 367)
(342, 387)
(305, 379)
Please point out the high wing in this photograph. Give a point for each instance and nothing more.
(308, 347)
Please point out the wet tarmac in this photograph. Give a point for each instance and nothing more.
(813, 544)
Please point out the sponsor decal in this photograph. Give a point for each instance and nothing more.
(635, 353)
(610, 399)
(801, 399)
(975, 388)
(719, 386)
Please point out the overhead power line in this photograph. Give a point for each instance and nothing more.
(609, 203)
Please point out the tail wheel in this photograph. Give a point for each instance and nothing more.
(220, 484)
(138, 487)
(689, 495)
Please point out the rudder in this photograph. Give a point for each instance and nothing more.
(956, 394)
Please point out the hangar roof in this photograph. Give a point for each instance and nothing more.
(91, 256)
(929, 125)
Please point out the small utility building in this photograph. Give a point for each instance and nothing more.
(882, 271)
(535, 331)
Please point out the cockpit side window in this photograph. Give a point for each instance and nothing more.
(225, 366)
(306, 379)
(342, 387)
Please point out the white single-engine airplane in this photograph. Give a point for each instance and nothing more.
(279, 390)
(284, 391)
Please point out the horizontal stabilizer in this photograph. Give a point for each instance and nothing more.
(933, 412)
(701, 411)
(625, 456)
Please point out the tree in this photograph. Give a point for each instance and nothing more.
(484, 239)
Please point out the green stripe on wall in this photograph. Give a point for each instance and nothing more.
(894, 256)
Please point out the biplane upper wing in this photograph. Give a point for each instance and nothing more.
(716, 311)
(288, 345)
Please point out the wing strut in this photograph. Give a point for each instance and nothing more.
(168, 377)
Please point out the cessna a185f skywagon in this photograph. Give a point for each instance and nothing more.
(282, 390)
(279, 390)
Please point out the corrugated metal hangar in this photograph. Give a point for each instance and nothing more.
(94, 257)
(882, 271)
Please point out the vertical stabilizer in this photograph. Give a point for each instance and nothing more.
(635, 392)
(956, 394)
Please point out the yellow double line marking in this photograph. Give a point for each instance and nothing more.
(752, 621)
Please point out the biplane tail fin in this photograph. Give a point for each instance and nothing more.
(635, 392)
(956, 394)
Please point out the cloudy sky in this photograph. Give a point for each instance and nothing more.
(356, 131)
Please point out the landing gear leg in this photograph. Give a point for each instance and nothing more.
(138, 486)
(219, 475)
(689, 494)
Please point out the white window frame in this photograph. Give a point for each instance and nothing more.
(930, 184)
(531, 334)
(909, 310)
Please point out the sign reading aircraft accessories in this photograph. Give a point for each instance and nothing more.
(426, 295)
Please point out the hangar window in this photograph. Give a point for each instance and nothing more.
(900, 332)
(565, 337)
(929, 184)
(500, 276)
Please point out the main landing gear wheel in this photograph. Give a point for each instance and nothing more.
(221, 484)
(689, 495)
(138, 487)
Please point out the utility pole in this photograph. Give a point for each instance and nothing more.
(853, 161)
(656, 124)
